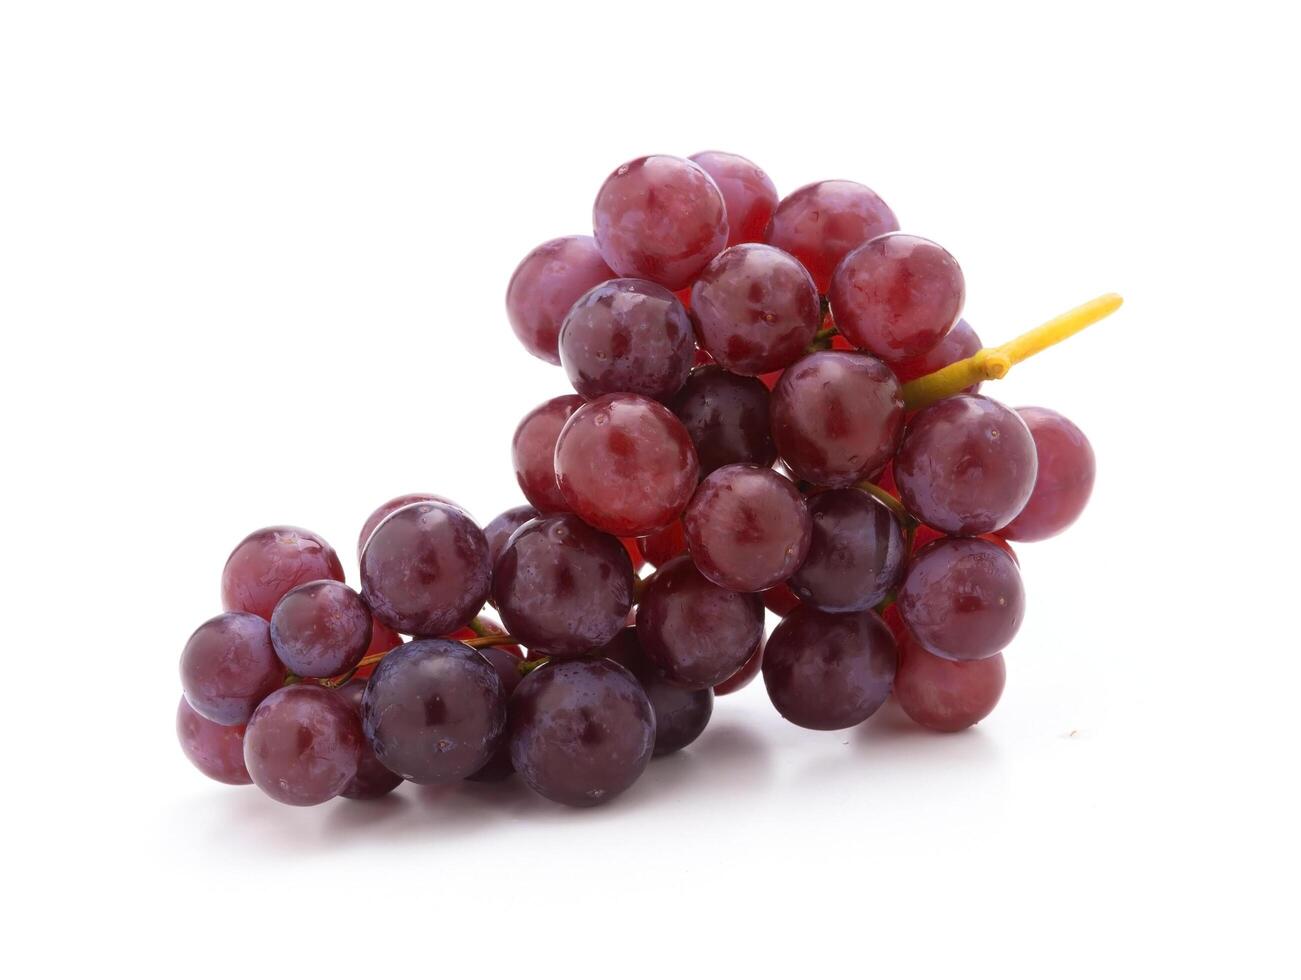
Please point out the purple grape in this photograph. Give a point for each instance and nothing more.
(962, 598)
(506, 661)
(434, 711)
(270, 562)
(217, 751)
(837, 417)
(828, 671)
(1064, 479)
(856, 553)
(946, 695)
(627, 335)
(546, 284)
(967, 465)
(228, 667)
(321, 629)
(755, 309)
(533, 452)
(302, 745)
(747, 528)
(821, 223)
(501, 527)
(747, 191)
(697, 633)
(425, 569)
(680, 715)
(726, 416)
(397, 503)
(562, 587)
(748, 672)
(373, 778)
(581, 731)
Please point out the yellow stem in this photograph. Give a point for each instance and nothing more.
(992, 363)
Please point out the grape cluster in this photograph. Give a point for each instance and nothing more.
(757, 415)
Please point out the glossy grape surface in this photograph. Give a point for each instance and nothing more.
(434, 711)
(962, 598)
(748, 193)
(660, 218)
(581, 731)
(696, 632)
(967, 465)
(533, 451)
(321, 629)
(270, 562)
(856, 553)
(747, 672)
(727, 418)
(897, 296)
(1063, 482)
(546, 284)
(626, 465)
(747, 528)
(828, 671)
(562, 587)
(837, 417)
(755, 309)
(373, 779)
(500, 528)
(680, 715)
(217, 751)
(397, 503)
(425, 569)
(959, 343)
(664, 544)
(946, 695)
(821, 223)
(627, 335)
(505, 660)
(302, 745)
(228, 666)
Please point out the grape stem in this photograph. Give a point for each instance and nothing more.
(889, 499)
(489, 640)
(992, 363)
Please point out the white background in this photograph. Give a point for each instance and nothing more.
(252, 262)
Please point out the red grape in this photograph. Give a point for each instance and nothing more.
(321, 629)
(533, 451)
(780, 599)
(747, 528)
(747, 672)
(755, 309)
(217, 751)
(946, 695)
(837, 417)
(270, 562)
(662, 545)
(1064, 480)
(958, 344)
(500, 528)
(659, 218)
(680, 715)
(821, 223)
(397, 503)
(228, 667)
(303, 745)
(373, 778)
(626, 465)
(383, 638)
(748, 193)
(923, 535)
(546, 284)
(967, 465)
(856, 553)
(505, 660)
(726, 416)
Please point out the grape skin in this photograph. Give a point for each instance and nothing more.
(533, 451)
(749, 195)
(726, 416)
(505, 660)
(397, 503)
(546, 283)
(856, 552)
(500, 528)
(321, 629)
(217, 751)
(664, 544)
(1063, 481)
(302, 745)
(228, 666)
(958, 344)
(373, 778)
(680, 715)
(747, 672)
(821, 223)
(270, 562)
(946, 695)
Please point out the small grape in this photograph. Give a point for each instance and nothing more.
(546, 284)
(270, 562)
(748, 193)
(303, 745)
(505, 660)
(373, 778)
(662, 545)
(500, 528)
(321, 629)
(228, 667)
(946, 695)
(533, 452)
(680, 715)
(780, 599)
(747, 672)
(1064, 479)
(856, 553)
(726, 416)
(958, 344)
(821, 223)
(217, 751)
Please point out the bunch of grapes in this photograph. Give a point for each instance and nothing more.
(776, 406)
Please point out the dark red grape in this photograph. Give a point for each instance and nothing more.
(923, 535)
(680, 715)
(829, 670)
(434, 711)
(664, 544)
(780, 599)
(383, 638)
(897, 296)
(821, 223)
(748, 193)
(967, 465)
(962, 598)
(533, 451)
(228, 667)
(506, 661)
(727, 418)
(946, 695)
(627, 335)
(747, 672)
(660, 218)
(747, 528)
(303, 745)
(270, 562)
(321, 629)
(501, 527)
(696, 632)
(958, 344)
(425, 569)
(1064, 479)
(546, 284)
(755, 309)
(373, 778)
(626, 465)
(217, 751)
(562, 587)
(581, 731)
(397, 503)
(856, 554)
(837, 417)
